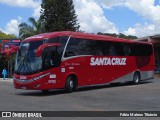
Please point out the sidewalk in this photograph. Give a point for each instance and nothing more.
(156, 75)
(7, 79)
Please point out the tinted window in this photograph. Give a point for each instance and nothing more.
(115, 48)
(49, 60)
(53, 40)
(89, 47)
(62, 41)
(111, 48)
(143, 49)
(96, 47)
(77, 47)
(128, 49)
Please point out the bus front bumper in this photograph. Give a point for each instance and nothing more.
(34, 85)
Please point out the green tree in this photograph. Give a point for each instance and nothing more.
(120, 35)
(59, 15)
(27, 30)
(7, 36)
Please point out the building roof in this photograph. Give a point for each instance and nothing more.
(148, 37)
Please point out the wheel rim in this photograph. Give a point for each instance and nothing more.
(71, 84)
(136, 78)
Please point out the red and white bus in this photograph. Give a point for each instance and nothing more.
(70, 60)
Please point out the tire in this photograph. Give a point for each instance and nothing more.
(70, 84)
(136, 78)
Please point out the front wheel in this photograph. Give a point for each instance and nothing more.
(70, 84)
(136, 78)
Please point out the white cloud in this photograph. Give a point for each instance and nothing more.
(22, 3)
(34, 4)
(91, 17)
(130, 31)
(12, 26)
(1, 30)
(112, 3)
(36, 13)
(144, 8)
(143, 30)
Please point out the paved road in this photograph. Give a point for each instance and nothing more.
(125, 97)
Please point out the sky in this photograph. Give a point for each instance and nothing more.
(131, 17)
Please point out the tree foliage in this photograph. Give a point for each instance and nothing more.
(59, 15)
(7, 36)
(3, 63)
(27, 30)
(120, 35)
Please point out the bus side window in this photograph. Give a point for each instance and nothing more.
(71, 48)
(99, 52)
(126, 50)
(70, 53)
(49, 60)
(52, 40)
(112, 51)
(62, 41)
(90, 47)
(143, 50)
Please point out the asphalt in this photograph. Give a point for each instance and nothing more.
(125, 97)
(7, 79)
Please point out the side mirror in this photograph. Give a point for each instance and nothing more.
(42, 47)
(13, 49)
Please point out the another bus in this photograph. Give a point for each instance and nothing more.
(69, 60)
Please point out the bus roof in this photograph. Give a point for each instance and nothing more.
(79, 35)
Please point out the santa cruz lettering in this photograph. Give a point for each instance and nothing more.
(107, 61)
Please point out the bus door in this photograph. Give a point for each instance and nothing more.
(51, 61)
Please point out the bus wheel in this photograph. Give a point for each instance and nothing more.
(70, 84)
(136, 78)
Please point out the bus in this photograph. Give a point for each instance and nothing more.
(69, 60)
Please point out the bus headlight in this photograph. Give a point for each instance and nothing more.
(30, 80)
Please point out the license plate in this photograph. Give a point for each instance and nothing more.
(24, 88)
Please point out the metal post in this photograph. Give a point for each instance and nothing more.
(8, 69)
(11, 67)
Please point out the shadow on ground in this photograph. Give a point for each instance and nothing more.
(81, 89)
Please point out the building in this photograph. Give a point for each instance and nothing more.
(5, 45)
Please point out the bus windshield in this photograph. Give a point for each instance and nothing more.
(26, 60)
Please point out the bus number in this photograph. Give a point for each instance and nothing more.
(52, 81)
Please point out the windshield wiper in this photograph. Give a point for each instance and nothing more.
(25, 65)
(21, 63)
